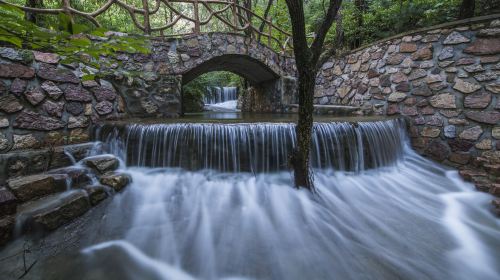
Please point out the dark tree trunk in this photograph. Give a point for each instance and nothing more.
(308, 60)
(266, 14)
(467, 9)
(358, 39)
(30, 16)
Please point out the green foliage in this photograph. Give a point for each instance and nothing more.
(77, 43)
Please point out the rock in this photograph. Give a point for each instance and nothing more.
(417, 74)
(4, 142)
(78, 136)
(54, 109)
(96, 194)
(466, 61)
(6, 229)
(76, 93)
(51, 89)
(29, 187)
(446, 53)
(75, 108)
(102, 163)
(422, 91)
(77, 175)
(430, 79)
(431, 132)
(466, 87)
(395, 59)
(52, 73)
(104, 107)
(460, 158)
(35, 121)
(424, 53)
(8, 203)
(4, 122)
(493, 87)
(104, 92)
(9, 104)
(477, 100)
(438, 150)
(488, 76)
(18, 86)
(435, 120)
(34, 96)
(445, 100)
(46, 57)
(455, 38)
(474, 68)
(53, 211)
(492, 156)
(403, 87)
(484, 46)
(450, 131)
(81, 121)
(495, 132)
(343, 91)
(27, 141)
(16, 54)
(8, 70)
(484, 144)
(489, 117)
(396, 97)
(472, 133)
(116, 180)
(407, 47)
(460, 145)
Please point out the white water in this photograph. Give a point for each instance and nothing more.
(227, 106)
(404, 219)
(221, 99)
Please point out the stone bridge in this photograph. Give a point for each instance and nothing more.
(175, 62)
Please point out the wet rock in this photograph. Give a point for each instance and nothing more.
(438, 150)
(472, 133)
(18, 86)
(27, 141)
(455, 38)
(78, 136)
(466, 87)
(102, 163)
(55, 74)
(34, 96)
(9, 104)
(29, 187)
(35, 121)
(445, 100)
(53, 211)
(96, 194)
(8, 203)
(116, 180)
(80, 121)
(79, 176)
(477, 100)
(51, 89)
(105, 107)
(6, 229)
(75, 108)
(54, 109)
(46, 57)
(76, 93)
(490, 117)
(8, 70)
(484, 46)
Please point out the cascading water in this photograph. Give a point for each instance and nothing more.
(222, 99)
(214, 201)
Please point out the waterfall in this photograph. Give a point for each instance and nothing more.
(255, 147)
(216, 95)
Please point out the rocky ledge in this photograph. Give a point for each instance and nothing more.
(43, 202)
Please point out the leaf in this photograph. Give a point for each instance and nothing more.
(88, 77)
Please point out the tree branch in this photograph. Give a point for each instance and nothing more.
(322, 31)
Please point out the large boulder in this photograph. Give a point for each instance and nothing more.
(34, 186)
(116, 180)
(102, 163)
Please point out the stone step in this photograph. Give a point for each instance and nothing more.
(34, 186)
(102, 163)
(50, 212)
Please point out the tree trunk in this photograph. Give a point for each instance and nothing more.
(467, 9)
(30, 16)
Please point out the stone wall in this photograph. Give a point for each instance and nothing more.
(446, 80)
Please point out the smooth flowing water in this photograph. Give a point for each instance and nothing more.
(221, 99)
(214, 201)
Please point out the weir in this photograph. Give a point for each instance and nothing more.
(255, 147)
